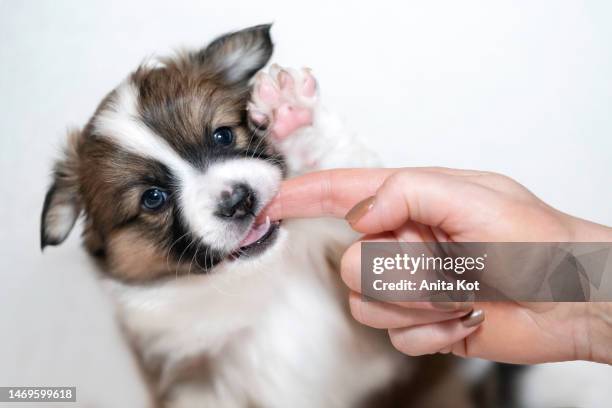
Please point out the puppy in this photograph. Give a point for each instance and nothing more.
(170, 174)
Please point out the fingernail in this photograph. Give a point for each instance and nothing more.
(359, 210)
(474, 318)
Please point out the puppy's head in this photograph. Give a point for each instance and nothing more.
(169, 172)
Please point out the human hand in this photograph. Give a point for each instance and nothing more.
(439, 205)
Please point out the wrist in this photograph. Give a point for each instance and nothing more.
(593, 336)
(599, 331)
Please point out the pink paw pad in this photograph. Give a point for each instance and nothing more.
(283, 100)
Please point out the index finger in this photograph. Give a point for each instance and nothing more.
(325, 193)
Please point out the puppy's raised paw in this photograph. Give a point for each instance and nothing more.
(283, 100)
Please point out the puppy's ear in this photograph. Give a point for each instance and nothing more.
(237, 56)
(62, 203)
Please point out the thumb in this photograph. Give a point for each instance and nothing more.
(429, 198)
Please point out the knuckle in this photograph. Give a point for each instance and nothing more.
(399, 340)
(399, 179)
(499, 178)
(356, 307)
(350, 264)
(366, 313)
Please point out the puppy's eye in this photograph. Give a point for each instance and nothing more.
(223, 136)
(153, 199)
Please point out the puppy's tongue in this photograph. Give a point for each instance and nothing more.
(256, 232)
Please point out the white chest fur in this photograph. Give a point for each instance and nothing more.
(272, 331)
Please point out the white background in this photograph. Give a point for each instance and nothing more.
(519, 87)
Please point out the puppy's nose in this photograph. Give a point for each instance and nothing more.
(237, 203)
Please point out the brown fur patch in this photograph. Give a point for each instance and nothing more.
(184, 104)
(132, 258)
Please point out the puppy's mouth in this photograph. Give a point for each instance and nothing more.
(258, 239)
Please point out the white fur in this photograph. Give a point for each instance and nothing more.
(59, 220)
(274, 330)
(121, 124)
(326, 144)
